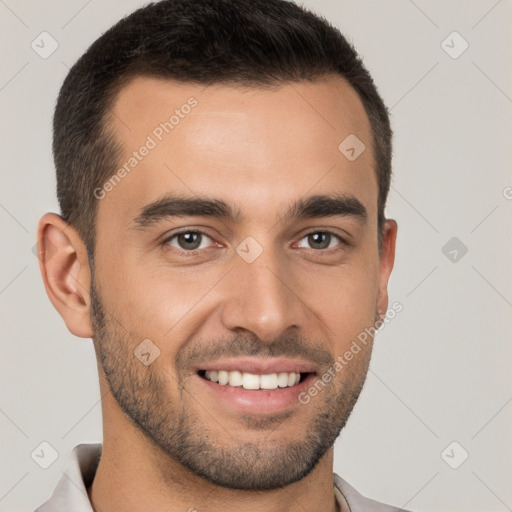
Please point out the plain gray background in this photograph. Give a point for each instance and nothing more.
(441, 369)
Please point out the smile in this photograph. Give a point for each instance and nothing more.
(253, 381)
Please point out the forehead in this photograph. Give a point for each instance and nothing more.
(241, 144)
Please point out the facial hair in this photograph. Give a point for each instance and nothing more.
(174, 426)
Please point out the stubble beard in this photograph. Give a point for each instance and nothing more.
(176, 429)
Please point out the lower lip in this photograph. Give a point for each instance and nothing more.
(258, 401)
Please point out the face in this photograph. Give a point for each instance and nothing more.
(236, 258)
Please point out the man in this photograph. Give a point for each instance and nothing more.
(222, 171)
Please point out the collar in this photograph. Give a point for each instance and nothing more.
(71, 491)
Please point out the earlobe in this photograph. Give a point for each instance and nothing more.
(386, 262)
(64, 266)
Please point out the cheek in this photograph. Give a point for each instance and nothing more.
(155, 302)
(347, 303)
(151, 307)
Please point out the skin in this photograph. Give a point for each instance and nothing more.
(259, 150)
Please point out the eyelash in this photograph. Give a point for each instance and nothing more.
(194, 252)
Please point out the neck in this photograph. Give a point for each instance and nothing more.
(133, 474)
(122, 485)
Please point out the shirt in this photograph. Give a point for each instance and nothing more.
(70, 495)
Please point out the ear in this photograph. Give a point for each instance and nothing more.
(64, 266)
(386, 262)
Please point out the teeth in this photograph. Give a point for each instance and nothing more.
(268, 381)
(253, 381)
(282, 380)
(250, 381)
(235, 378)
(223, 377)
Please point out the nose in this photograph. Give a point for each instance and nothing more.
(262, 297)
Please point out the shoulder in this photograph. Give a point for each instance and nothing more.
(71, 490)
(358, 503)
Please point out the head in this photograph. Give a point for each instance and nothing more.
(212, 219)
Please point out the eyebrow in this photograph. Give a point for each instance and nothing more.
(305, 208)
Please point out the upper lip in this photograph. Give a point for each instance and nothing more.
(260, 365)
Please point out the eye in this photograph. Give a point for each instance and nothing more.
(322, 240)
(189, 241)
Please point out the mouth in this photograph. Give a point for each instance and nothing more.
(254, 381)
(256, 385)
